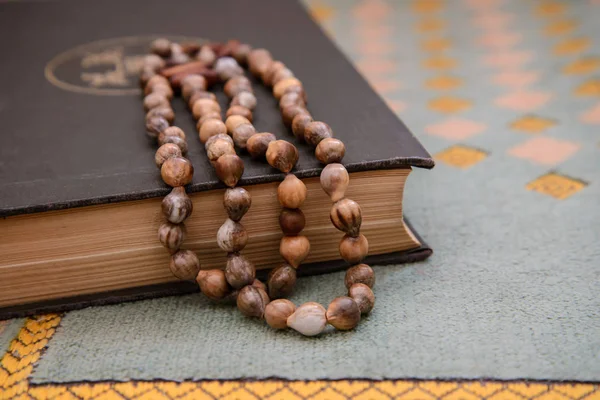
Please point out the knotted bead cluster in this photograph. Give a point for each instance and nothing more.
(191, 69)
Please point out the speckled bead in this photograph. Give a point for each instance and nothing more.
(239, 271)
(258, 144)
(161, 46)
(283, 85)
(154, 81)
(203, 106)
(281, 281)
(360, 273)
(177, 205)
(354, 249)
(200, 94)
(185, 265)
(210, 128)
(172, 236)
(346, 216)
(163, 112)
(170, 131)
(162, 90)
(206, 55)
(309, 319)
(291, 99)
(240, 53)
(213, 284)
(277, 313)
(282, 155)
(153, 62)
(294, 249)
(259, 61)
(252, 301)
(244, 99)
(288, 113)
(363, 296)
(330, 150)
(239, 110)
(343, 313)
(291, 193)
(237, 85)
(145, 75)
(232, 236)
(271, 70)
(227, 68)
(214, 138)
(177, 141)
(234, 121)
(208, 116)
(299, 124)
(218, 148)
(229, 169)
(242, 133)
(165, 152)
(155, 125)
(334, 181)
(316, 131)
(191, 84)
(291, 221)
(177, 171)
(237, 202)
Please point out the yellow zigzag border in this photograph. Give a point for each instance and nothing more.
(25, 350)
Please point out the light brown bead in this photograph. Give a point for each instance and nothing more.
(145, 75)
(343, 313)
(170, 131)
(213, 284)
(155, 125)
(161, 46)
(237, 202)
(232, 236)
(219, 148)
(282, 155)
(291, 193)
(239, 110)
(281, 281)
(291, 221)
(334, 181)
(227, 68)
(252, 301)
(291, 99)
(309, 319)
(242, 133)
(271, 70)
(185, 265)
(154, 62)
(288, 113)
(354, 249)
(244, 99)
(154, 100)
(172, 236)
(178, 56)
(316, 131)
(208, 116)
(280, 88)
(363, 296)
(240, 52)
(294, 249)
(259, 61)
(299, 124)
(200, 94)
(154, 81)
(177, 205)
(330, 150)
(210, 128)
(206, 55)
(237, 85)
(259, 285)
(346, 216)
(239, 271)
(161, 90)
(191, 84)
(165, 152)
(164, 112)
(234, 121)
(221, 136)
(258, 144)
(360, 273)
(229, 169)
(204, 106)
(177, 171)
(277, 313)
(280, 75)
(177, 141)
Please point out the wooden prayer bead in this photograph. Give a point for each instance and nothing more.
(145, 75)
(191, 84)
(154, 81)
(185, 265)
(259, 285)
(343, 313)
(213, 284)
(360, 273)
(177, 205)
(161, 46)
(239, 271)
(251, 301)
(291, 221)
(309, 319)
(258, 61)
(299, 124)
(244, 99)
(280, 88)
(271, 70)
(294, 249)
(237, 202)
(288, 113)
(176, 140)
(316, 131)
(291, 99)
(178, 56)
(154, 62)
(291, 193)
(219, 148)
(171, 236)
(346, 216)
(239, 110)
(177, 171)
(330, 150)
(206, 55)
(363, 296)
(234, 121)
(203, 106)
(170, 131)
(155, 125)
(163, 90)
(240, 53)
(164, 112)
(277, 313)
(354, 249)
(258, 143)
(210, 128)
(232, 236)
(280, 75)
(227, 68)
(206, 117)
(165, 152)
(214, 138)
(242, 133)
(229, 169)
(200, 94)
(282, 155)
(334, 181)
(237, 85)
(281, 281)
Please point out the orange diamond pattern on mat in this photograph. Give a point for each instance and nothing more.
(557, 186)
(321, 12)
(532, 124)
(439, 62)
(582, 66)
(444, 82)
(449, 104)
(523, 100)
(436, 44)
(426, 7)
(456, 129)
(571, 46)
(461, 156)
(430, 25)
(461, 394)
(547, 9)
(545, 150)
(589, 88)
(561, 27)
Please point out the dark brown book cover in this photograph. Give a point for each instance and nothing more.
(73, 124)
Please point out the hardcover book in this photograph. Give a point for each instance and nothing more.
(80, 194)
